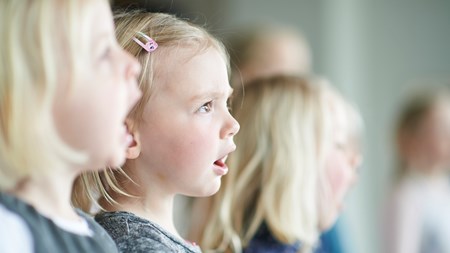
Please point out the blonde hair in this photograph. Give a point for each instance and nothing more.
(44, 45)
(353, 129)
(274, 172)
(355, 122)
(170, 33)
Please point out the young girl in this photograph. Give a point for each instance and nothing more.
(182, 133)
(63, 77)
(420, 202)
(274, 199)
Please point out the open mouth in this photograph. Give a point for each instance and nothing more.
(220, 163)
(220, 167)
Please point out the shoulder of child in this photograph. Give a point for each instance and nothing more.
(135, 234)
(141, 245)
(15, 235)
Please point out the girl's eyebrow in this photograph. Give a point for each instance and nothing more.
(214, 94)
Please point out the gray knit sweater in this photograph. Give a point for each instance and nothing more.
(134, 234)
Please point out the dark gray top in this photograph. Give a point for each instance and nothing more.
(49, 237)
(138, 235)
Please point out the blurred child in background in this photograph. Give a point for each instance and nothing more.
(295, 160)
(419, 208)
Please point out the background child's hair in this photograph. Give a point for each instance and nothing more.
(43, 45)
(354, 121)
(348, 121)
(412, 115)
(274, 172)
(171, 34)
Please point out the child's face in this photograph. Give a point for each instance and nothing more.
(187, 131)
(429, 144)
(90, 114)
(341, 163)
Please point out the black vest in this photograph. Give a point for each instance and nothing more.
(48, 237)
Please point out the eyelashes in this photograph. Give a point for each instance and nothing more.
(206, 107)
(209, 106)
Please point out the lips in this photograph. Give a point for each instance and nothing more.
(220, 168)
(219, 163)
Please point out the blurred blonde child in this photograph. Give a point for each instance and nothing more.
(419, 208)
(63, 77)
(182, 133)
(294, 163)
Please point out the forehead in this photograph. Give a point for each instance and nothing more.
(339, 113)
(185, 67)
(98, 20)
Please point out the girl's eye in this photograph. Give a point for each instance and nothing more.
(205, 107)
(229, 105)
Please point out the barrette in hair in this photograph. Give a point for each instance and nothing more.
(150, 44)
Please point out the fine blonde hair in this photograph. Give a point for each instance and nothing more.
(354, 127)
(347, 120)
(275, 170)
(44, 45)
(170, 33)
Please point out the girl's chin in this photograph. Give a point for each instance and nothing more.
(213, 189)
(116, 161)
(328, 222)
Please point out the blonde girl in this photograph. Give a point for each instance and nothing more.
(272, 199)
(182, 133)
(63, 77)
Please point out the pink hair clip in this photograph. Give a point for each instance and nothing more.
(149, 46)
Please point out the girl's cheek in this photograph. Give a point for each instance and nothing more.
(338, 175)
(337, 180)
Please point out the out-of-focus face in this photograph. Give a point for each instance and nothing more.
(187, 131)
(430, 145)
(341, 162)
(90, 114)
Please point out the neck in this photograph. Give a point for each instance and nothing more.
(49, 194)
(152, 201)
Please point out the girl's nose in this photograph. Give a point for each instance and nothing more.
(133, 70)
(232, 127)
(134, 67)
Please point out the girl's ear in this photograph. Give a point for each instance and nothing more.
(134, 149)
